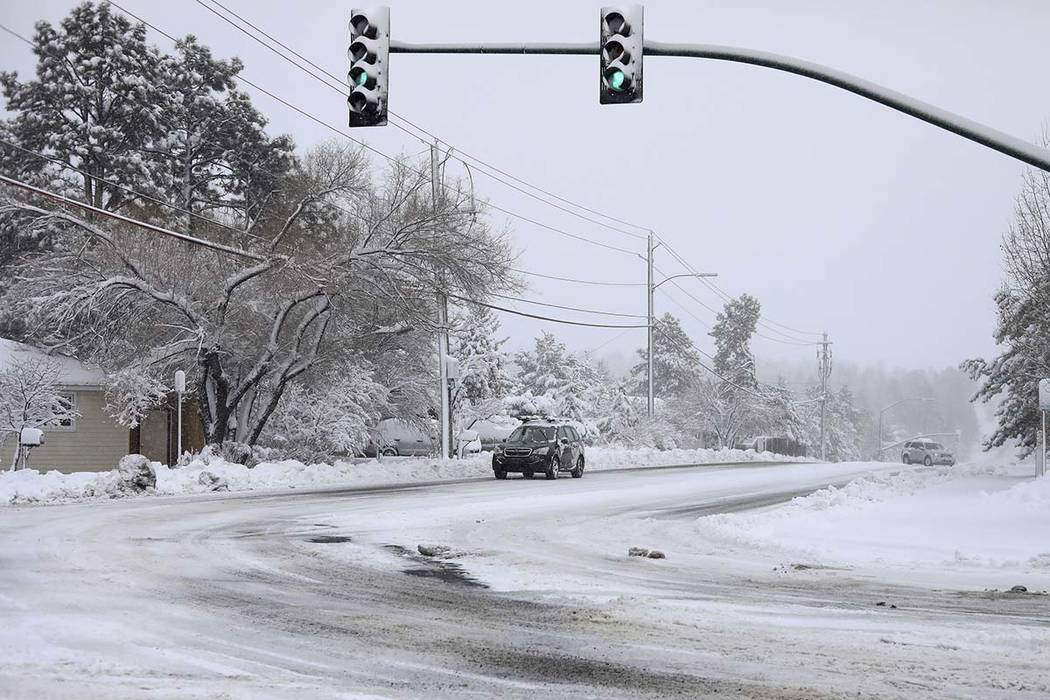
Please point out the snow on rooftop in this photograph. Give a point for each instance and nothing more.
(74, 372)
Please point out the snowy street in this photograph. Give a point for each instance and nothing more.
(322, 594)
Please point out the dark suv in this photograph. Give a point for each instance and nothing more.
(550, 447)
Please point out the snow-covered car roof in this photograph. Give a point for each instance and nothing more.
(74, 373)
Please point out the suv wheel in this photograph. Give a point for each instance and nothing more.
(578, 471)
(389, 452)
(928, 462)
(553, 467)
(906, 459)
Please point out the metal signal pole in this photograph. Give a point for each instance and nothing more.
(444, 419)
(824, 358)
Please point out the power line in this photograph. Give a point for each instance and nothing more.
(763, 321)
(567, 308)
(134, 222)
(577, 281)
(544, 318)
(787, 340)
(124, 188)
(246, 254)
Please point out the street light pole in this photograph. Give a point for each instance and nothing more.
(650, 292)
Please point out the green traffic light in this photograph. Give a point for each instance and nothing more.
(617, 81)
(362, 78)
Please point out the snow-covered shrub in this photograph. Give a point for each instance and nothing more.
(313, 424)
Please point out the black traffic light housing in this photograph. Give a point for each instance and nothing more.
(369, 74)
(621, 54)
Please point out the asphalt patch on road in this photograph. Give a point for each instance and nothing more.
(445, 571)
(328, 539)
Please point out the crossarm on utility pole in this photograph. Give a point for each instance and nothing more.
(1012, 146)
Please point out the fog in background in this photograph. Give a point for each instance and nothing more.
(836, 213)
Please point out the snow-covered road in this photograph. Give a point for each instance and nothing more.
(321, 594)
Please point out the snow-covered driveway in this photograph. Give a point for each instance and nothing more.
(321, 595)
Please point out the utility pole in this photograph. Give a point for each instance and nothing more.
(824, 359)
(650, 290)
(444, 419)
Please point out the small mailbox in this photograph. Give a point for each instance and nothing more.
(31, 437)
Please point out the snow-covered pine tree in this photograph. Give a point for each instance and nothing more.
(94, 104)
(732, 332)
(676, 363)
(1023, 328)
(544, 369)
(214, 150)
(482, 363)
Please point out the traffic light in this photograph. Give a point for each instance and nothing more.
(621, 43)
(369, 74)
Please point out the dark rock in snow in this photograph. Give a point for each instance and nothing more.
(637, 552)
(212, 482)
(881, 604)
(1019, 589)
(433, 550)
(136, 474)
(657, 554)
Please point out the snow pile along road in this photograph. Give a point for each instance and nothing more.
(941, 525)
(208, 472)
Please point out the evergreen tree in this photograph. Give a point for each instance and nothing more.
(546, 368)
(94, 104)
(676, 363)
(732, 332)
(1023, 329)
(482, 363)
(215, 152)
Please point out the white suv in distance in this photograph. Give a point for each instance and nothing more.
(926, 452)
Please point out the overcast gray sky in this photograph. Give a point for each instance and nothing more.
(835, 212)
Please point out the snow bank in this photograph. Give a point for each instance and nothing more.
(945, 523)
(30, 486)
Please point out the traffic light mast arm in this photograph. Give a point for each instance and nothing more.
(967, 128)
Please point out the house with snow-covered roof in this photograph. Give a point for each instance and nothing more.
(92, 440)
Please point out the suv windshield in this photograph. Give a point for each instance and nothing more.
(934, 446)
(531, 433)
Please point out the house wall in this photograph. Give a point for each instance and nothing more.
(95, 442)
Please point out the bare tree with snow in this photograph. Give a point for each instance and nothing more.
(31, 397)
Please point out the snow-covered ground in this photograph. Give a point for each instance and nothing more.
(31, 486)
(322, 594)
(963, 526)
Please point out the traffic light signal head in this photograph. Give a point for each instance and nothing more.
(369, 55)
(621, 54)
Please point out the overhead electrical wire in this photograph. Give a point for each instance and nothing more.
(596, 283)
(229, 250)
(129, 190)
(569, 308)
(545, 318)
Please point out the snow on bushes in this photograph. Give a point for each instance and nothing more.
(209, 471)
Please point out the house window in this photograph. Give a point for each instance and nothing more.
(68, 400)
